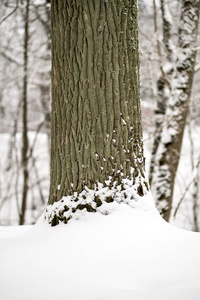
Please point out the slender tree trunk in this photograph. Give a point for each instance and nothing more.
(163, 83)
(24, 119)
(167, 29)
(195, 208)
(168, 152)
(96, 133)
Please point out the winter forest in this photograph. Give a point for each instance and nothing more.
(99, 149)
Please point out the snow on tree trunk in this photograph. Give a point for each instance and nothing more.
(167, 29)
(96, 134)
(168, 152)
(163, 83)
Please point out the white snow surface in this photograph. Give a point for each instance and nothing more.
(128, 254)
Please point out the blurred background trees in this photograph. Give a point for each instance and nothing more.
(24, 109)
(166, 47)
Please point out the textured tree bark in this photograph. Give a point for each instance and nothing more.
(168, 152)
(96, 131)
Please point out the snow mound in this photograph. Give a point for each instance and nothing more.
(129, 254)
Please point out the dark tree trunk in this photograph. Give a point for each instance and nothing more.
(24, 120)
(96, 132)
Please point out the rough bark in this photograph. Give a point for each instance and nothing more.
(96, 132)
(171, 141)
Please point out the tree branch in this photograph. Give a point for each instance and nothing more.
(12, 12)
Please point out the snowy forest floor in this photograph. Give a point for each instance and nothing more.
(129, 254)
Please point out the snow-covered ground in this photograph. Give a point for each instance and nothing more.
(129, 254)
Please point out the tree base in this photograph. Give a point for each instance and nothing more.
(98, 200)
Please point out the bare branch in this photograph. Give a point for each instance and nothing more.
(12, 12)
(187, 188)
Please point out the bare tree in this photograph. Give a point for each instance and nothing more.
(168, 152)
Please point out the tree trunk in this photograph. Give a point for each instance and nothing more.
(163, 83)
(96, 133)
(168, 152)
(167, 29)
(24, 120)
